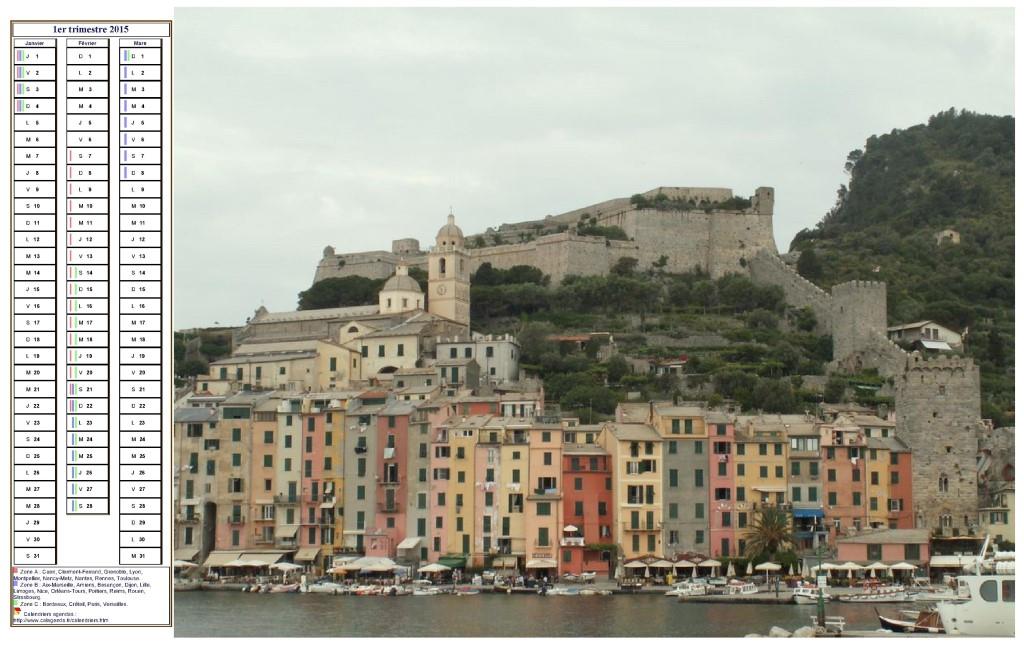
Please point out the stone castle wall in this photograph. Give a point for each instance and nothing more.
(878, 352)
(938, 406)
(767, 268)
(719, 241)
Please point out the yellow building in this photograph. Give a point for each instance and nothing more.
(997, 519)
(636, 453)
(761, 477)
(514, 484)
(289, 366)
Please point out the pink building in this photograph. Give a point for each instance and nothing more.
(722, 484)
(886, 545)
(312, 468)
(391, 469)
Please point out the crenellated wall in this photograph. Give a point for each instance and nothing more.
(769, 269)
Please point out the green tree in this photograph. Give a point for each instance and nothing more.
(770, 533)
(808, 265)
(534, 342)
(835, 389)
(617, 367)
(624, 266)
(340, 292)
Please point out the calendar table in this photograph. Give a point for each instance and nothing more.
(90, 343)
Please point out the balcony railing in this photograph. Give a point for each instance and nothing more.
(387, 507)
(575, 541)
(236, 519)
(290, 498)
(643, 526)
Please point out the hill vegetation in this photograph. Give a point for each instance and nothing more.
(955, 172)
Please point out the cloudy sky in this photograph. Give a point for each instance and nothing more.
(294, 129)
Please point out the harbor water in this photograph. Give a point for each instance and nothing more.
(237, 614)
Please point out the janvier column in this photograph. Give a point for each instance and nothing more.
(34, 258)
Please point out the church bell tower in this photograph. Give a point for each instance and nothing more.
(448, 275)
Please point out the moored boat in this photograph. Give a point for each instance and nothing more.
(287, 587)
(808, 594)
(912, 621)
(985, 601)
(886, 595)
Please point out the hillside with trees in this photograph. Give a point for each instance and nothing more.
(954, 173)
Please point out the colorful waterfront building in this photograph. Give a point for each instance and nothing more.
(513, 485)
(805, 482)
(636, 453)
(845, 484)
(761, 458)
(722, 483)
(586, 505)
(391, 473)
(544, 500)
(685, 466)
(283, 513)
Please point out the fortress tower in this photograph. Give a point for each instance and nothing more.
(858, 316)
(448, 274)
(938, 406)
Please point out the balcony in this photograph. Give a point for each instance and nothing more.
(576, 541)
(185, 517)
(236, 519)
(290, 498)
(387, 507)
(262, 517)
(360, 449)
(643, 526)
(325, 522)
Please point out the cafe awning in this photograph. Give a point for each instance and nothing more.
(264, 558)
(808, 513)
(220, 559)
(307, 554)
(185, 554)
(950, 561)
(453, 561)
(541, 563)
(409, 543)
(770, 489)
(286, 530)
(505, 561)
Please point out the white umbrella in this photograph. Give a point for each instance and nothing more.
(695, 571)
(255, 563)
(179, 563)
(750, 568)
(286, 567)
(682, 562)
(570, 528)
(635, 565)
(661, 562)
(731, 571)
(792, 571)
(768, 567)
(434, 567)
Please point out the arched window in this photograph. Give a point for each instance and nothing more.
(443, 266)
(943, 483)
(353, 329)
(946, 521)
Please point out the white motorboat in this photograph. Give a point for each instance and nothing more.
(985, 599)
(808, 594)
(684, 591)
(740, 588)
(325, 587)
(687, 589)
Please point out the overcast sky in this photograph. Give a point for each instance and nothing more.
(294, 129)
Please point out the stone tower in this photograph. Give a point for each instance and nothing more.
(938, 414)
(858, 316)
(448, 274)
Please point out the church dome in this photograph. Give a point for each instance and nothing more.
(401, 283)
(450, 234)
